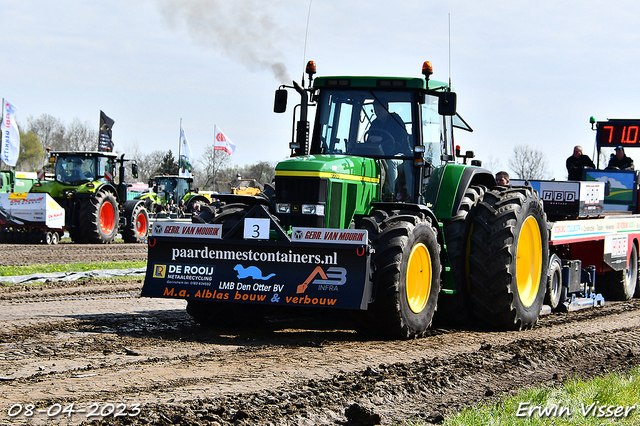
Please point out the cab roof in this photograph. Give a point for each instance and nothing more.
(83, 154)
(382, 83)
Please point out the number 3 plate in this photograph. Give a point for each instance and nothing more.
(256, 229)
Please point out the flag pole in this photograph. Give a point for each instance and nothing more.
(179, 146)
(214, 158)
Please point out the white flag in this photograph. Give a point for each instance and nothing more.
(10, 135)
(222, 143)
(185, 155)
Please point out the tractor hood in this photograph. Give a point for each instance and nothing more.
(344, 167)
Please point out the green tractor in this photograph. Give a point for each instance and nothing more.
(377, 212)
(171, 193)
(96, 207)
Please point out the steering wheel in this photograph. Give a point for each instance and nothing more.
(382, 134)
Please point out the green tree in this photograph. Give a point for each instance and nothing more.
(31, 157)
(168, 165)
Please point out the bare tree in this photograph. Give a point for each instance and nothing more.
(262, 171)
(492, 164)
(80, 137)
(49, 130)
(213, 162)
(528, 163)
(147, 164)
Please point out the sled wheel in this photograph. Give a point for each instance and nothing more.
(137, 229)
(407, 277)
(453, 308)
(554, 294)
(99, 218)
(621, 285)
(508, 252)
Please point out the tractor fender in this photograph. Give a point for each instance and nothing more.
(453, 182)
(417, 208)
(107, 187)
(128, 208)
(193, 197)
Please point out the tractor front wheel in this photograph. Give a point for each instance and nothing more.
(137, 228)
(99, 218)
(407, 276)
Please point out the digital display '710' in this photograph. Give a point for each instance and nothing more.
(618, 132)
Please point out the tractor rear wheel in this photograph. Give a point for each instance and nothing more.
(407, 276)
(508, 258)
(621, 285)
(99, 218)
(137, 229)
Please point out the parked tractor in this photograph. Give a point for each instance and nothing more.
(96, 207)
(171, 193)
(372, 214)
(15, 181)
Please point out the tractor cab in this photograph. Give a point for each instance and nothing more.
(76, 168)
(170, 187)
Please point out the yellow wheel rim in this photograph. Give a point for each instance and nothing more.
(418, 279)
(529, 261)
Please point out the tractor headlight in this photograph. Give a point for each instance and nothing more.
(313, 209)
(283, 207)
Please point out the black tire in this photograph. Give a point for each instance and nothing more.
(453, 308)
(99, 218)
(508, 258)
(226, 314)
(48, 238)
(55, 238)
(406, 276)
(207, 213)
(137, 229)
(554, 295)
(620, 285)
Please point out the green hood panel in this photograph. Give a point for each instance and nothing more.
(343, 167)
(56, 189)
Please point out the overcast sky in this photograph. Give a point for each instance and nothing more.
(526, 72)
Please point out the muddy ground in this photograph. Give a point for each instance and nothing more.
(96, 346)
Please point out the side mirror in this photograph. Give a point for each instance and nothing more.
(280, 102)
(447, 103)
(134, 170)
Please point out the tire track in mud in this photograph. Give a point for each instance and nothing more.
(144, 351)
(95, 341)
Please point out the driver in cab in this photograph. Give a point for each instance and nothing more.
(388, 130)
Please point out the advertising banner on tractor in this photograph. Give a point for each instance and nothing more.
(278, 273)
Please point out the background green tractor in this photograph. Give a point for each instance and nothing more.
(381, 157)
(172, 194)
(96, 207)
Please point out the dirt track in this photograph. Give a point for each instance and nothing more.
(98, 343)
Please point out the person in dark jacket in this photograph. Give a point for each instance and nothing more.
(577, 163)
(620, 161)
